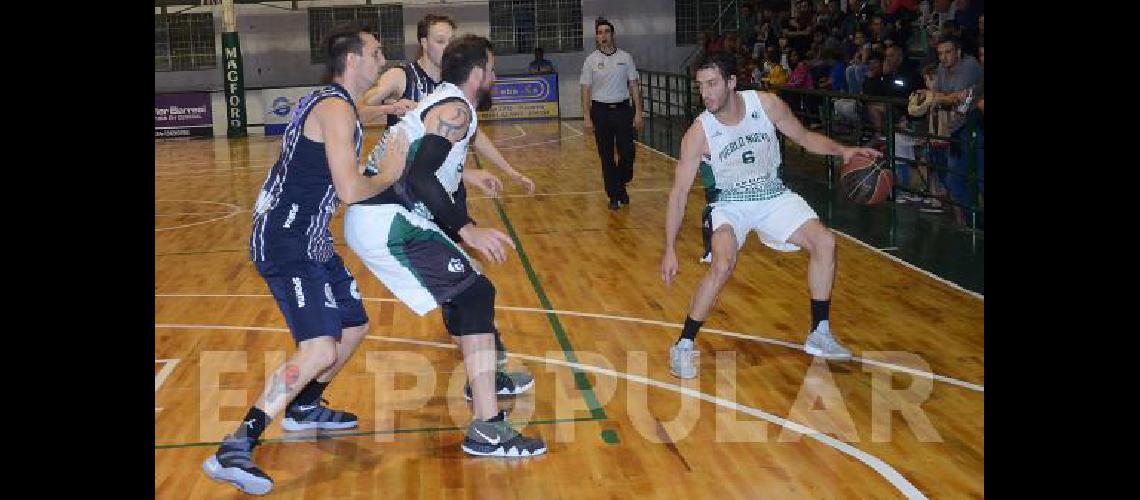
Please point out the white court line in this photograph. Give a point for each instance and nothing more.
(208, 162)
(876, 464)
(922, 271)
(180, 214)
(167, 368)
(236, 210)
(928, 274)
(210, 172)
(725, 333)
(558, 139)
(521, 134)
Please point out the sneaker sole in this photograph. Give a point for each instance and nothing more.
(678, 375)
(501, 452)
(815, 351)
(293, 426)
(507, 392)
(244, 481)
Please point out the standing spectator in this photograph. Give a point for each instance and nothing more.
(921, 104)
(953, 84)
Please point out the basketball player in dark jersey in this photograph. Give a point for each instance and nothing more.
(408, 83)
(292, 248)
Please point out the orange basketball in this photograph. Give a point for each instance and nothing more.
(866, 181)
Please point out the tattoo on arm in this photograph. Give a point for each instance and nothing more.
(457, 123)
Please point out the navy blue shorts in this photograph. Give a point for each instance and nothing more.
(318, 299)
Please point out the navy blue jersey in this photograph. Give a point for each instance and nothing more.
(417, 85)
(298, 199)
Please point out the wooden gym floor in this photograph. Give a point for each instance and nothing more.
(582, 306)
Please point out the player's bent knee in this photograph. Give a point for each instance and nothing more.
(321, 352)
(472, 311)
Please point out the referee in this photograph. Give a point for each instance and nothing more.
(609, 78)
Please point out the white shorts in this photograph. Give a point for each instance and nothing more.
(411, 255)
(773, 220)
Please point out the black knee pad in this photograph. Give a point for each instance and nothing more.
(472, 311)
(707, 229)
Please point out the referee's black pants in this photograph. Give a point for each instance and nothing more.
(614, 123)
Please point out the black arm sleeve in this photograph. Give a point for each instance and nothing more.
(425, 186)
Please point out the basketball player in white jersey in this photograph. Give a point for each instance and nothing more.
(407, 236)
(733, 145)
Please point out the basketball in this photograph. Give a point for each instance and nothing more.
(866, 181)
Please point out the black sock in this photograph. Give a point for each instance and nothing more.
(819, 311)
(690, 330)
(310, 394)
(498, 417)
(499, 341)
(253, 424)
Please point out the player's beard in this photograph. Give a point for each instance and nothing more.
(483, 100)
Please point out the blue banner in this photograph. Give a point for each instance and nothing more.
(523, 96)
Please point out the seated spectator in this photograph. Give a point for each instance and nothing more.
(784, 48)
(798, 29)
(879, 30)
(539, 64)
(836, 78)
(801, 74)
(774, 58)
(748, 26)
(744, 69)
(834, 40)
(874, 85)
(854, 44)
(898, 9)
(857, 70)
(777, 77)
(731, 43)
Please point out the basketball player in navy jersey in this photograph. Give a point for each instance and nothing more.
(733, 144)
(292, 248)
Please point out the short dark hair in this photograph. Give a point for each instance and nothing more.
(425, 24)
(950, 40)
(600, 21)
(338, 45)
(930, 70)
(462, 55)
(722, 61)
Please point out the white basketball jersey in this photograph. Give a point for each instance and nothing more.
(744, 159)
(450, 174)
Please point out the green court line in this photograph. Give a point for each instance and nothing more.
(582, 383)
(321, 437)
